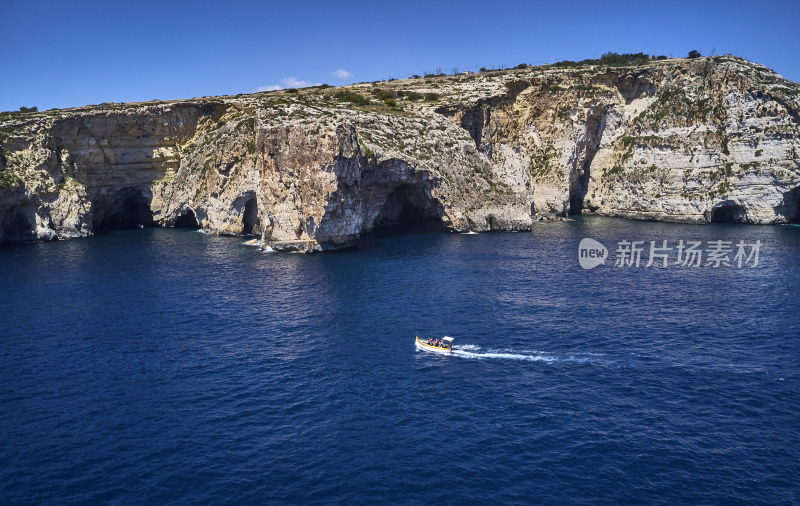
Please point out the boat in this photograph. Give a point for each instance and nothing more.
(446, 349)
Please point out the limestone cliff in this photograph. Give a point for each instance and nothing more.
(702, 140)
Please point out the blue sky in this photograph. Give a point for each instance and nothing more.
(64, 54)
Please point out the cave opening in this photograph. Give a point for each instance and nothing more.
(187, 219)
(250, 216)
(129, 209)
(19, 223)
(578, 187)
(409, 207)
(728, 212)
(791, 201)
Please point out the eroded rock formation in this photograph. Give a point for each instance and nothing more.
(697, 141)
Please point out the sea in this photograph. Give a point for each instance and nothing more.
(164, 366)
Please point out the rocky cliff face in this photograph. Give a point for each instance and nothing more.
(703, 140)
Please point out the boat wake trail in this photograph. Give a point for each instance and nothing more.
(474, 352)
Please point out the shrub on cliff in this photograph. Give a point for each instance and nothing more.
(352, 97)
(370, 155)
(386, 96)
(382, 94)
(612, 60)
(410, 95)
(566, 63)
(694, 54)
(9, 178)
(616, 59)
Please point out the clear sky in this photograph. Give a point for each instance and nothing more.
(71, 53)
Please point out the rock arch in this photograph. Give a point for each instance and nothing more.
(409, 203)
(187, 219)
(728, 212)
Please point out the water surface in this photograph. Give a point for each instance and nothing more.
(159, 365)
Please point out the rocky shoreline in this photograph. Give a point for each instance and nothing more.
(690, 141)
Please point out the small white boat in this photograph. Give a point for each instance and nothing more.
(446, 349)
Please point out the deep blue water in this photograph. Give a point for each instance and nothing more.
(159, 365)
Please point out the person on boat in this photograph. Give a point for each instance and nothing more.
(429, 340)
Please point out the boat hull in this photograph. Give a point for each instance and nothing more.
(422, 345)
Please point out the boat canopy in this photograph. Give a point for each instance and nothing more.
(448, 339)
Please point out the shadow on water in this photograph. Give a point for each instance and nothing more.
(373, 239)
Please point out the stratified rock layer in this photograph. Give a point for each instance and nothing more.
(695, 141)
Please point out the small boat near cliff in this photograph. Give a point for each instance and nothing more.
(425, 346)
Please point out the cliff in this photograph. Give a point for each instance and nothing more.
(695, 141)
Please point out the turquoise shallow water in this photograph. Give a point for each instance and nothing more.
(164, 365)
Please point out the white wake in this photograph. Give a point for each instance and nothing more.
(474, 352)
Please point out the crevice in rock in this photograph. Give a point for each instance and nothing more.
(579, 185)
(250, 216)
(187, 219)
(129, 208)
(474, 118)
(19, 223)
(470, 118)
(634, 86)
(728, 212)
(579, 179)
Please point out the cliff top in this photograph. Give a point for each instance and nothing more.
(403, 96)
